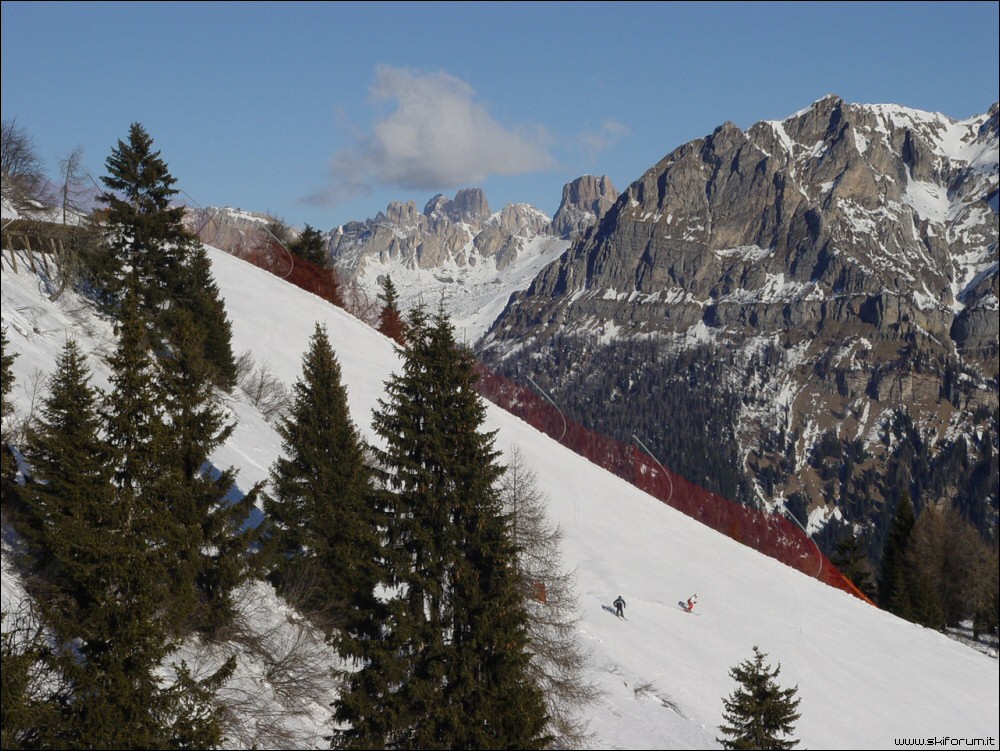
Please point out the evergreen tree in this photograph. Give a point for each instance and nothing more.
(200, 299)
(146, 238)
(759, 713)
(322, 523)
(213, 548)
(8, 468)
(850, 559)
(390, 321)
(893, 590)
(149, 247)
(101, 589)
(451, 669)
(310, 246)
(25, 684)
(7, 379)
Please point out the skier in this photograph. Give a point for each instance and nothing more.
(690, 603)
(620, 607)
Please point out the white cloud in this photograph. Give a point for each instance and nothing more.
(436, 137)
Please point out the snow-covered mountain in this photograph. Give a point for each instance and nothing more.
(866, 679)
(460, 253)
(840, 266)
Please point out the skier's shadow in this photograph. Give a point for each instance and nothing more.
(609, 609)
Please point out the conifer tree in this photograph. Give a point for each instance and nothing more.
(146, 237)
(850, 559)
(150, 248)
(893, 590)
(7, 469)
(200, 299)
(323, 526)
(310, 246)
(101, 589)
(451, 669)
(390, 322)
(213, 549)
(759, 714)
(7, 377)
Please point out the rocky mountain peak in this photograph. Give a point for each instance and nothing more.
(584, 201)
(861, 240)
(469, 206)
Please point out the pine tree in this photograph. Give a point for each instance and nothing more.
(452, 667)
(213, 550)
(759, 713)
(7, 468)
(200, 299)
(323, 526)
(150, 248)
(850, 559)
(310, 246)
(893, 591)
(101, 589)
(146, 237)
(7, 379)
(390, 321)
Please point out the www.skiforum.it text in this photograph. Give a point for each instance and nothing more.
(946, 740)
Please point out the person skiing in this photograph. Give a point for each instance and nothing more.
(620, 607)
(690, 603)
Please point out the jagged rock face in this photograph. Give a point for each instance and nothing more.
(584, 202)
(850, 228)
(463, 231)
(838, 214)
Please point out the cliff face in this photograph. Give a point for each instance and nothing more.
(464, 231)
(860, 241)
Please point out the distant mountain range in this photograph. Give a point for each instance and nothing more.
(800, 315)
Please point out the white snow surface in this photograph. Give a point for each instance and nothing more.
(474, 293)
(866, 679)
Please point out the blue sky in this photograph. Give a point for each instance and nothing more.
(322, 113)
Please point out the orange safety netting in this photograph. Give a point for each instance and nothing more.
(775, 536)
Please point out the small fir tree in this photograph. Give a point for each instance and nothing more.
(759, 713)
(200, 299)
(310, 246)
(390, 322)
(8, 467)
(851, 560)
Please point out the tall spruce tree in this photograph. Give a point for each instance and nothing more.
(101, 588)
(214, 548)
(323, 525)
(149, 247)
(451, 668)
(759, 714)
(893, 587)
(146, 238)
